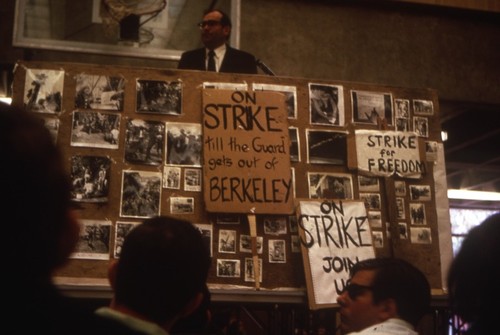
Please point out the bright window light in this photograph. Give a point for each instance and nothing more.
(6, 100)
(444, 136)
(473, 195)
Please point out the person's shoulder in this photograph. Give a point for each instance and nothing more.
(73, 317)
(192, 52)
(240, 53)
(107, 326)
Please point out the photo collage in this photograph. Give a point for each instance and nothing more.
(140, 131)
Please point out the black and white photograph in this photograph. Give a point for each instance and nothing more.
(206, 232)
(293, 225)
(326, 104)
(225, 86)
(329, 185)
(368, 184)
(228, 218)
(403, 230)
(43, 90)
(402, 124)
(159, 97)
(99, 92)
(246, 243)
(52, 125)
(93, 240)
(290, 93)
(420, 235)
(423, 107)
(95, 130)
(400, 188)
(378, 239)
(372, 200)
(122, 229)
(277, 251)
(295, 243)
(431, 151)
(292, 175)
(181, 205)
(372, 107)
(227, 241)
(230, 268)
(90, 178)
(293, 133)
(417, 214)
(141, 193)
(420, 192)
(192, 180)
(144, 142)
(326, 147)
(274, 224)
(184, 144)
(249, 272)
(421, 126)
(400, 207)
(172, 177)
(402, 108)
(375, 219)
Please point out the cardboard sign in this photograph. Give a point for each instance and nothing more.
(334, 235)
(385, 153)
(246, 152)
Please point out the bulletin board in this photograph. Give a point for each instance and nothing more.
(132, 140)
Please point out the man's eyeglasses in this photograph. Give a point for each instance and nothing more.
(355, 290)
(208, 23)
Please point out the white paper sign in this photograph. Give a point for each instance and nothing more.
(335, 235)
(384, 153)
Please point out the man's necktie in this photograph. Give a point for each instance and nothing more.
(211, 61)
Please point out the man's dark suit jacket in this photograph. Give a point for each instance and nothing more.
(235, 61)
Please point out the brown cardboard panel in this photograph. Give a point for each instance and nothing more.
(282, 265)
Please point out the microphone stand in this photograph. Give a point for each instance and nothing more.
(264, 67)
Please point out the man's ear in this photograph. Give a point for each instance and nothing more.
(112, 268)
(192, 305)
(226, 30)
(69, 237)
(388, 309)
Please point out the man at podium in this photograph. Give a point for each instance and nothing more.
(217, 55)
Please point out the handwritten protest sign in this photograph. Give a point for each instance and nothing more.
(334, 236)
(385, 153)
(246, 152)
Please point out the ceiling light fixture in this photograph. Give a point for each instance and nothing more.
(473, 195)
(6, 100)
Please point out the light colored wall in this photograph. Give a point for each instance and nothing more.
(408, 46)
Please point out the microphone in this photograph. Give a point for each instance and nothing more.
(264, 67)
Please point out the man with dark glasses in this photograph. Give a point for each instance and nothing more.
(384, 296)
(217, 55)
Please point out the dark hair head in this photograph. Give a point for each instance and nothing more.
(397, 279)
(163, 265)
(474, 275)
(197, 322)
(37, 194)
(225, 20)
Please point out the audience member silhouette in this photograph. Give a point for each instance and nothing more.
(474, 276)
(160, 276)
(40, 232)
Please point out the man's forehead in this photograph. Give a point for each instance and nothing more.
(363, 277)
(213, 16)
